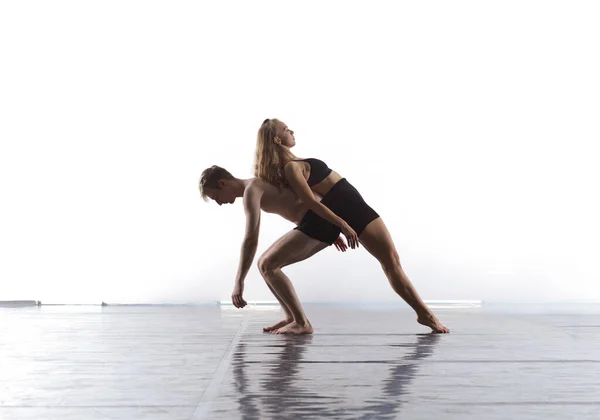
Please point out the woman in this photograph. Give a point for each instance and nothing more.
(341, 209)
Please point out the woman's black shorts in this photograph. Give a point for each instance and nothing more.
(346, 202)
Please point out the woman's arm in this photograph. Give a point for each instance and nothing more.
(295, 178)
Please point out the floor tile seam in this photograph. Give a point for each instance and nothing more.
(205, 403)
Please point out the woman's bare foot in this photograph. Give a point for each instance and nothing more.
(295, 328)
(429, 320)
(279, 325)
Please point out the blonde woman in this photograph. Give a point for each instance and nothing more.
(341, 209)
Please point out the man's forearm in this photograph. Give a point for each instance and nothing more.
(246, 257)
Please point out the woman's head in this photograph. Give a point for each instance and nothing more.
(273, 145)
(276, 133)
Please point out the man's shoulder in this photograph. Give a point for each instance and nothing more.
(256, 185)
(254, 190)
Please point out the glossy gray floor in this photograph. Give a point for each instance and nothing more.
(208, 362)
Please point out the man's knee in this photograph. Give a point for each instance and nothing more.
(266, 265)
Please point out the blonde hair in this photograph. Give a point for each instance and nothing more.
(210, 179)
(270, 157)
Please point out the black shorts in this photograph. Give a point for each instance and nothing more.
(346, 202)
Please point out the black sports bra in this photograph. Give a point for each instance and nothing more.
(318, 170)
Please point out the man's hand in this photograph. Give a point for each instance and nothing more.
(236, 297)
(340, 244)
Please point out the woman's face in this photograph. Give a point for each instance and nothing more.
(285, 136)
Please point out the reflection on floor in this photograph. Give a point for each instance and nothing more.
(209, 362)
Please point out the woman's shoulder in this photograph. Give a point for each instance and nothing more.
(294, 165)
(296, 161)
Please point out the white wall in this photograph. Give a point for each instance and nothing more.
(471, 127)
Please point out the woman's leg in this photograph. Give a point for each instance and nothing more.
(377, 240)
(293, 247)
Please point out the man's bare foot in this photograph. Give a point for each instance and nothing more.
(295, 328)
(429, 320)
(278, 325)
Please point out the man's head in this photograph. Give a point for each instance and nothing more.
(217, 184)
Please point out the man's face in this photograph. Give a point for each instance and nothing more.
(222, 195)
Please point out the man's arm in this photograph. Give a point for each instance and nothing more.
(252, 197)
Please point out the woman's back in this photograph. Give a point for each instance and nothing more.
(318, 175)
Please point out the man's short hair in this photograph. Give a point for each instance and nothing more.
(210, 178)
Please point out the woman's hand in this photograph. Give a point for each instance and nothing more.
(350, 234)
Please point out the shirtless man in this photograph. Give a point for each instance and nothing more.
(218, 184)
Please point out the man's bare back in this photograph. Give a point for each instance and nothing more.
(281, 201)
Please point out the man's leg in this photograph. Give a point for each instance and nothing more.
(378, 241)
(288, 314)
(293, 247)
(289, 318)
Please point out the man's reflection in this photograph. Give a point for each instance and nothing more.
(243, 385)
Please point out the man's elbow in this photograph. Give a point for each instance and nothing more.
(251, 240)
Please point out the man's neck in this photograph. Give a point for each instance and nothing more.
(240, 186)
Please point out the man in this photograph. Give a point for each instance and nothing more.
(218, 184)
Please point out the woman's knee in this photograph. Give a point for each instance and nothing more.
(391, 261)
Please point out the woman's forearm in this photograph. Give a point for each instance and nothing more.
(321, 210)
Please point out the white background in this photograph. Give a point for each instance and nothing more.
(470, 126)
